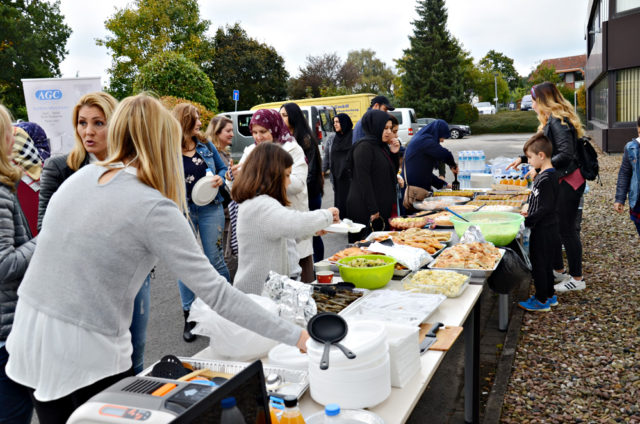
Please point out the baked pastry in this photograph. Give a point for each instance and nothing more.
(469, 256)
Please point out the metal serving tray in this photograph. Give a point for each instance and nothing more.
(474, 273)
(294, 382)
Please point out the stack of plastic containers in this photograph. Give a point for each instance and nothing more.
(404, 352)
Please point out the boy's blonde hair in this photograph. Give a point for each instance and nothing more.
(103, 101)
(9, 174)
(142, 130)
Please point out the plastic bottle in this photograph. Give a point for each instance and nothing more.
(483, 161)
(526, 234)
(291, 414)
(230, 412)
(274, 416)
(332, 413)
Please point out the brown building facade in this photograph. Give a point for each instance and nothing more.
(570, 69)
(613, 72)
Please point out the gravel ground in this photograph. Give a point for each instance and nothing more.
(580, 363)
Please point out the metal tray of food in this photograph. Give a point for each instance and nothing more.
(444, 288)
(294, 382)
(474, 273)
(440, 202)
(333, 299)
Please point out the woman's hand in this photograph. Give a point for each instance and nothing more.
(302, 341)
(618, 207)
(336, 214)
(374, 217)
(400, 181)
(217, 181)
(394, 145)
(320, 233)
(514, 164)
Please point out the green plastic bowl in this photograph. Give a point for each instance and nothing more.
(499, 228)
(367, 278)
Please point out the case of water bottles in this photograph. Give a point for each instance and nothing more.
(471, 165)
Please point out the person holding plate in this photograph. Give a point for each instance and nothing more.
(203, 175)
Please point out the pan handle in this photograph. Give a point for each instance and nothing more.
(324, 362)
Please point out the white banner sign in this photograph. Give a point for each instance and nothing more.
(50, 103)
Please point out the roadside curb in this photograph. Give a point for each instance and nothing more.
(493, 409)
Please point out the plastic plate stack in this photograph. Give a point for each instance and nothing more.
(404, 352)
(352, 383)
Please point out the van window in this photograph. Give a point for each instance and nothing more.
(243, 124)
(326, 118)
(398, 115)
(412, 117)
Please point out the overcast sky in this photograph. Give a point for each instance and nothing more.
(527, 31)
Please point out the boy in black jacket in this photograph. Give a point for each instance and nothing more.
(542, 219)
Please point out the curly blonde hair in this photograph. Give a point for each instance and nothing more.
(9, 174)
(551, 102)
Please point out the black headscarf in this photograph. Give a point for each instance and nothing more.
(342, 139)
(373, 123)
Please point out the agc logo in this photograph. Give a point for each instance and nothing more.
(49, 94)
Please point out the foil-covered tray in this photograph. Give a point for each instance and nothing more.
(294, 382)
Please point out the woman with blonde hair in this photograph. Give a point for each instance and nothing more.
(220, 133)
(561, 125)
(16, 249)
(84, 294)
(200, 157)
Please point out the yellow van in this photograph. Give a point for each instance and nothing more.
(354, 105)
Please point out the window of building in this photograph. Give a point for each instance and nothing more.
(628, 95)
(599, 101)
(624, 5)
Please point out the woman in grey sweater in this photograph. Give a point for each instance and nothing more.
(267, 229)
(83, 294)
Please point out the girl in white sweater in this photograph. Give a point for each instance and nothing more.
(266, 226)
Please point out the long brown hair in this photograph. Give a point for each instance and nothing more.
(551, 102)
(187, 115)
(263, 173)
(216, 125)
(9, 174)
(103, 101)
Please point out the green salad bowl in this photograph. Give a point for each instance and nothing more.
(367, 278)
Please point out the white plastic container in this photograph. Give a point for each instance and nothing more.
(404, 353)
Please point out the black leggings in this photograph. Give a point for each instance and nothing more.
(567, 210)
(58, 411)
(542, 241)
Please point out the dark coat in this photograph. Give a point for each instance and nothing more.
(423, 154)
(374, 169)
(563, 138)
(54, 173)
(340, 164)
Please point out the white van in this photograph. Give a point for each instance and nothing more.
(241, 134)
(408, 123)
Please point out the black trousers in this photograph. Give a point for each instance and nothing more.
(567, 211)
(542, 242)
(59, 410)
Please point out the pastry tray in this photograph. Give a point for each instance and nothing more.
(438, 289)
(474, 273)
(294, 382)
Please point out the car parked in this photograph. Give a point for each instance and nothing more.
(526, 103)
(455, 131)
(408, 124)
(241, 134)
(485, 108)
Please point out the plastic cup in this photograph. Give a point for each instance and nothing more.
(324, 277)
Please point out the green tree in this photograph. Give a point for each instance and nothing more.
(148, 27)
(321, 74)
(498, 62)
(434, 79)
(33, 37)
(544, 73)
(242, 63)
(374, 75)
(172, 74)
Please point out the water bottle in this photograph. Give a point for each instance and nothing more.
(230, 412)
(332, 413)
(526, 235)
(465, 157)
(483, 161)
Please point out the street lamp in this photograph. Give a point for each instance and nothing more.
(495, 86)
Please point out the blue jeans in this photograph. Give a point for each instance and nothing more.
(15, 399)
(209, 221)
(138, 327)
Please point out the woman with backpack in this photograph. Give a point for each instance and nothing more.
(563, 128)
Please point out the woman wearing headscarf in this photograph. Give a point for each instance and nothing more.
(39, 137)
(267, 126)
(340, 170)
(423, 154)
(373, 186)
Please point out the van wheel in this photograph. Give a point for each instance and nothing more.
(455, 134)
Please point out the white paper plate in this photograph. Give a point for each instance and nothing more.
(344, 228)
(203, 193)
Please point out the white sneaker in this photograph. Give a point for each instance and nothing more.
(570, 285)
(559, 277)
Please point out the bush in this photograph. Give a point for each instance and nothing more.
(205, 114)
(566, 91)
(465, 114)
(172, 74)
(506, 122)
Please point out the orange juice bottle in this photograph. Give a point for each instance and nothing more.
(274, 415)
(291, 414)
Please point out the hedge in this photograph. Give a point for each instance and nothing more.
(506, 122)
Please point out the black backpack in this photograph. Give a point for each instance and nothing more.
(587, 158)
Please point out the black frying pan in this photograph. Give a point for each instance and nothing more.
(329, 328)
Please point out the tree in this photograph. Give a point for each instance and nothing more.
(374, 75)
(321, 74)
(544, 73)
(148, 27)
(33, 37)
(172, 74)
(486, 87)
(498, 62)
(242, 63)
(434, 79)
